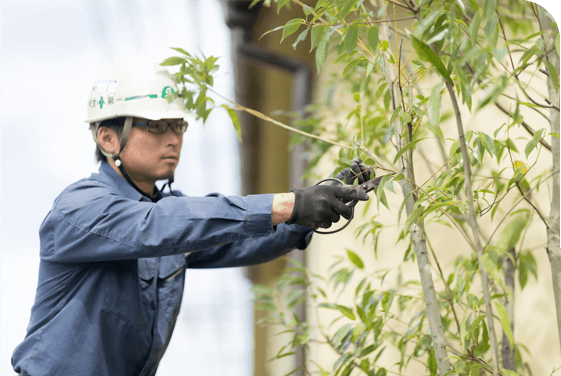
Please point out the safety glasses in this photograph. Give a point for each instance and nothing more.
(161, 126)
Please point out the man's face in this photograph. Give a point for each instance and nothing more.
(149, 157)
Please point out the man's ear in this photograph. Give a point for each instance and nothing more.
(108, 140)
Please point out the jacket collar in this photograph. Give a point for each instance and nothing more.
(110, 176)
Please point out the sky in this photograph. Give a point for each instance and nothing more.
(50, 53)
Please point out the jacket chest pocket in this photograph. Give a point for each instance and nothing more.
(121, 296)
(171, 280)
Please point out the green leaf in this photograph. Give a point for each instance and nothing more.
(405, 148)
(235, 121)
(348, 312)
(367, 350)
(433, 366)
(491, 30)
(355, 259)
(181, 50)
(341, 361)
(490, 266)
(281, 4)
(262, 290)
(323, 49)
(527, 263)
(474, 27)
(433, 112)
(426, 53)
(351, 65)
(533, 142)
(253, 3)
(478, 150)
(384, 45)
(347, 371)
(268, 306)
(290, 27)
(272, 30)
(302, 37)
(505, 322)
(488, 143)
(349, 5)
(387, 301)
(507, 372)
(426, 22)
(316, 35)
(373, 38)
(553, 75)
(492, 91)
(351, 38)
(489, 8)
(170, 61)
(511, 233)
(405, 118)
(394, 114)
(462, 6)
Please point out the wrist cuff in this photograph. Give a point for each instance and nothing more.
(293, 216)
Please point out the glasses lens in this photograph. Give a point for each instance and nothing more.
(179, 126)
(157, 126)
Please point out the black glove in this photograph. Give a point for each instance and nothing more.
(349, 174)
(321, 205)
(357, 170)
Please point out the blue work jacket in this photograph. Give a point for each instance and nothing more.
(112, 271)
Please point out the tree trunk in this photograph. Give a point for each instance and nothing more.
(507, 349)
(418, 237)
(553, 245)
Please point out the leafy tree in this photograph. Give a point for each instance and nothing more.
(474, 54)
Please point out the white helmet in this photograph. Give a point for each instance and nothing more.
(134, 86)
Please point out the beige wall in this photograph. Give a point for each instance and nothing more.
(535, 324)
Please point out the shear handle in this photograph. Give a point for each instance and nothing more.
(351, 205)
(367, 186)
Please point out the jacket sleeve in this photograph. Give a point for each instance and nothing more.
(90, 223)
(252, 251)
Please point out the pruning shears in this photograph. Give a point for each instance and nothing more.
(367, 186)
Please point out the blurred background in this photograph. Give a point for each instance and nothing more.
(50, 54)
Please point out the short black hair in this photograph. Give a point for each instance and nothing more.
(116, 124)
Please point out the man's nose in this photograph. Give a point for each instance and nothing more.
(172, 138)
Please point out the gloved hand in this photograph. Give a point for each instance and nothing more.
(357, 170)
(348, 175)
(321, 205)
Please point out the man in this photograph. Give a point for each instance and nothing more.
(114, 248)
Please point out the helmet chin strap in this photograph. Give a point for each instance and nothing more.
(117, 159)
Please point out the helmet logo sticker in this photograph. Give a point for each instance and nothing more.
(141, 96)
(167, 90)
(103, 87)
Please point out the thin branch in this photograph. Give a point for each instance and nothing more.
(506, 41)
(518, 202)
(474, 226)
(448, 292)
(525, 125)
(400, 5)
(418, 238)
(537, 210)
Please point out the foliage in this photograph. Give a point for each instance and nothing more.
(479, 54)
